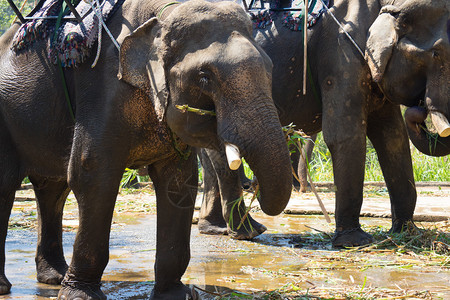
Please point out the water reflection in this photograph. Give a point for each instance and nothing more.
(220, 265)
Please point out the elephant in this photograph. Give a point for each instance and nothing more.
(127, 114)
(213, 220)
(436, 104)
(366, 58)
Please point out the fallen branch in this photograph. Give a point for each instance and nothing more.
(313, 188)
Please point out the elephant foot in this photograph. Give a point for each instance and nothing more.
(5, 285)
(248, 229)
(399, 226)
(351, 238)
(177, 291)
(50, 273)
(77, 290)
(213, 228)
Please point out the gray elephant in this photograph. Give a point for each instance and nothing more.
(380, 55)
(198, 54)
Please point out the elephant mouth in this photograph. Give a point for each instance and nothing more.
(440, 122)
(416, 116)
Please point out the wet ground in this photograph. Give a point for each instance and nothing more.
(281, 258)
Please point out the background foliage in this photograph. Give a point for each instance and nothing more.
(7, 15)
(426, 168)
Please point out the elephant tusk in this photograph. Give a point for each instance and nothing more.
(233, 156)
(441, 123)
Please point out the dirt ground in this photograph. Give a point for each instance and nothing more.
(292, 260)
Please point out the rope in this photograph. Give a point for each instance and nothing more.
(64, 10)
(346, 33)
(98, 12)
(357, 47)
(161, 11)
(101, 25)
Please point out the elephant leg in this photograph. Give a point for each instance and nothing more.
(95, 181)
(210, 219)
(175, 181)
(10, 179)
(51, 196)
(240, 224)
(347, 144)
(308, 148)
(387, 132)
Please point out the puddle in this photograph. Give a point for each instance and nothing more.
(271, 261)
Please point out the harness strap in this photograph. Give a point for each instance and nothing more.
(161, 11)
(64, 10)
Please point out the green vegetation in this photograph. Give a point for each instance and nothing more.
(7, 15)
(426, 168)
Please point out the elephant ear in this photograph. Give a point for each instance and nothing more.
(140, 65)
(382, 38)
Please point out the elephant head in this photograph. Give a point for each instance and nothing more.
(203, 55)
(408, 53)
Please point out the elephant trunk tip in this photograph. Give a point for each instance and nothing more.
(414, 116)
(274, 200)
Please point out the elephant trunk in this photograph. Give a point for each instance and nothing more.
(425, 142)
(262, 143)
(438, 106)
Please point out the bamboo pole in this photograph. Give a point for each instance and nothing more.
(313, 188)
(17, 11)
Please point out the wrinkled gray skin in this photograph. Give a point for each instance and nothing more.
(213, 219)
(197, 53)
(406, 60)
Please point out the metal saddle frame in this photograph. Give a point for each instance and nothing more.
(79, 18)
(41, 2)
(252, 4)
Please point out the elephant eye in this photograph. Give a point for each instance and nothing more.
(204, 78)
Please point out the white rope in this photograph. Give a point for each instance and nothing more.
(97, 8)
(98, 12)
(340, 25)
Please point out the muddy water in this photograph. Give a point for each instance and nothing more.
(271, 261)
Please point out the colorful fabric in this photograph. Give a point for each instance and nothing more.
(37, 29)
(72, 42)
(292, 19)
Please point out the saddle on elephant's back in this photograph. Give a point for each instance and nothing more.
(70, 32)
(263, 12)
